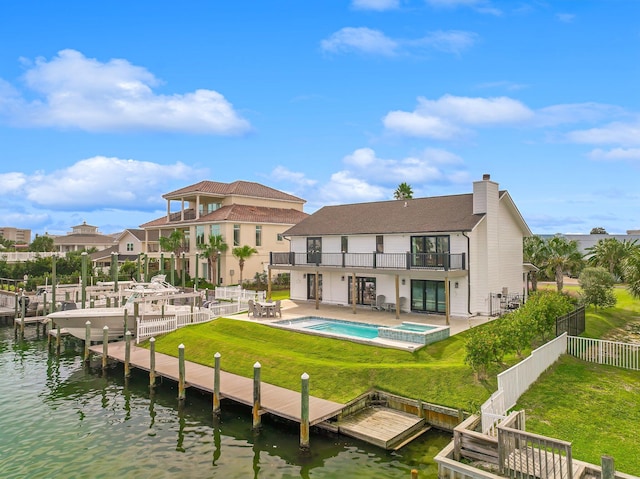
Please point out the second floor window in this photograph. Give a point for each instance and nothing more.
(379, 244)
(129, 246)
(236, 235)
(344, 244)
(258, 235)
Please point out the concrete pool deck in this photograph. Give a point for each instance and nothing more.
(298, 309)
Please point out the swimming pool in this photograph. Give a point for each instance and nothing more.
(403, 336)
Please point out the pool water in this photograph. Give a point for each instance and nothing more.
(358, 330)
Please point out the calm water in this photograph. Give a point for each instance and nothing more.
(61, 419)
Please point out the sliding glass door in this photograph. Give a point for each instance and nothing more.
(428, 296)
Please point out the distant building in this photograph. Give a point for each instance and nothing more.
(18, 235)
(83, 237)
(127, 244)
(586, 241)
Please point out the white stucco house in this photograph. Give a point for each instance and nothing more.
(458, 255)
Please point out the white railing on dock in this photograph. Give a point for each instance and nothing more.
(237, 293)
(610, 353)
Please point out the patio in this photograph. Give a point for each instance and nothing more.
(298, 309)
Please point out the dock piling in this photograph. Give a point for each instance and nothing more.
(304, 413)
(216, 384)
(256, 396)
(105, 345)
(181, 373)
(127, 354)
(87, 339)
(152, 363)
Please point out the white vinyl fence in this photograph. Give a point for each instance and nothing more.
(513, 382)
(610, 353)
(147, 328)
(236, 293)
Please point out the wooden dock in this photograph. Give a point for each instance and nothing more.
(275, 400)
(383, 427)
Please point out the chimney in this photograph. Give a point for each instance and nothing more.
(485, 194)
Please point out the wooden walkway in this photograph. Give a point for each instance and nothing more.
(274, 400)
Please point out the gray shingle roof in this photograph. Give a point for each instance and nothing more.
(418, 215)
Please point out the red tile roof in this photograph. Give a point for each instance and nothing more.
(238, 188)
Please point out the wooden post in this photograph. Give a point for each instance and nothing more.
(181, 373)
(269, 283)
(354, 292)
(608, 467)
(397, 296)
(87, 339)
(53, 282)
(414, 474)
(84, 255)
(216, 384)
(126, 326)
(184, 270)
(316, 290)
(152, 362)
(256, 396)
(58, 338)
(105, 346)
(127, 354)
(304, 413)
(447, 300)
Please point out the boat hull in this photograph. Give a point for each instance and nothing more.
(75, 322)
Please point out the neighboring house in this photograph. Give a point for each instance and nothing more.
(128, 245)
(82, 237)
(18, 235)
(450, 254)
(244, 213)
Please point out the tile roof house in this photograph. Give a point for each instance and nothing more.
(457, 255)
(82, 237)
(243, 212)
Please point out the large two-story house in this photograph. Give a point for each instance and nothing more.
(243, 213)
(455, 255)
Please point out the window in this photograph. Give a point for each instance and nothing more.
(129, 246)
(215, 230)
(279, 237)
(211, 207)
(379, 244)
(236, 235)
(199, 234)
(344, 244)
(314, 250)
(429, 251)
(258, 235)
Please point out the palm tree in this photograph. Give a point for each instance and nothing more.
(561, 255)
(176, 243)
(211, 251)
(242, 253)
(403, 192)
(535, 253)
(606, 253)
(631, 268)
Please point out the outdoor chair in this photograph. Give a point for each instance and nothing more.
(277, 311)
(258, 311)
(251, 309)
(379, 304)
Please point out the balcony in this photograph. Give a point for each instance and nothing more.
(389, 261)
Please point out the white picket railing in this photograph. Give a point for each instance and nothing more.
(513, 382)
(237, 293)
(610, 353)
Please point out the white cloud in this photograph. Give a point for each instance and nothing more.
(105, 183)
(482, 6)
(565, 17)
(280, 173)
(616, 154)
(617, 132)
(575, 113)
(79, 92)
(378, 5)
(362, 39)
(375, 42)
(446, 117)
(346, 188)
(11, 183)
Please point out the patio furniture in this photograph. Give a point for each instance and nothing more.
(277, 310)
(379, 304)
(268, 308)
(251, 309)
(259, 310)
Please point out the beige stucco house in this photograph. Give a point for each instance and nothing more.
(244, 213)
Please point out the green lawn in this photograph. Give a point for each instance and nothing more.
(339, 370)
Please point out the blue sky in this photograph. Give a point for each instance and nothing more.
(105, 106)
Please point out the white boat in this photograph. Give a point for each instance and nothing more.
(154, 299)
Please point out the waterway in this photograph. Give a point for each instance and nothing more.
(62, 418)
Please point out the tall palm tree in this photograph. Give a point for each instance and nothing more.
(175, 243)
(403, 192)
(211, 251)
(535, 253)
(631, 268)
(561, 255)
(607, 253)
(243, 253)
